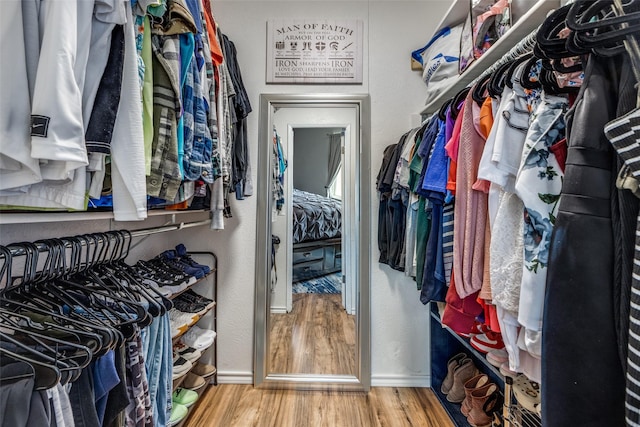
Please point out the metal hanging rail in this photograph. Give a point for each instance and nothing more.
(143, 232)
(18, 250)
(146, 232)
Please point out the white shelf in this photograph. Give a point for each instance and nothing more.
(525, 25)
(456, 14)
(44, 217)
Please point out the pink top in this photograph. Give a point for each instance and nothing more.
(471, 209)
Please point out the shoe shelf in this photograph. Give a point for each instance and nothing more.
(202, 279)
(444, 344)
(213, 378)
(515, 415)
(200, 392)
(468, 348)
(213, 309)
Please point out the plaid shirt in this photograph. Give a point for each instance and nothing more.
(165, 178)
(197, 137)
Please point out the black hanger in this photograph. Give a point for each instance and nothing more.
(442, 112)
(33, 306)
(598, 29)
(45, 375)
(116, 302)
(456, 102)
(75, 356)
(116, 271)
(593, 15)
(51, 297)
(480, 88)
(547, 37)
(66, 368)
(107, 336)
(605, 43)
(89, 339)
(527, 73)
(496, 83)
(508, 79)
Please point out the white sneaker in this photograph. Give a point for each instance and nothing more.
(180, 321)
(199, 338)
(180, 366)
(189, 353)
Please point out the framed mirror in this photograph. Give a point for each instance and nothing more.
(312, 308)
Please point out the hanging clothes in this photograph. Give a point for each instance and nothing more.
(585, 277)
(279, 165)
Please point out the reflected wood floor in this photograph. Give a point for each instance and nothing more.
(317, 337)
(234, 405)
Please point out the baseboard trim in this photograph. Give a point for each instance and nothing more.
(235, 377)
(279, 310)
(246, 377)
(401, 381)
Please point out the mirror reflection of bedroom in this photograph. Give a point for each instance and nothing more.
(314, 332)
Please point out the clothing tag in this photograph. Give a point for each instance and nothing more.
(39, 125)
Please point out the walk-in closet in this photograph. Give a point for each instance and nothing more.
(319, 213)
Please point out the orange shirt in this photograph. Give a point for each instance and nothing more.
(452, 150)
(216, 51)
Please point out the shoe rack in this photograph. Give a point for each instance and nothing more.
(444, 344)
(207, 286)
(515, 415)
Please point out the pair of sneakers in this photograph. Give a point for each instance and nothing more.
(181, 366)
(182, 400)
(162, 276)
(191, 302)
(484, 339)
(183, 350)
(181, 260)
(185, 257)
(180, 321)
(199, 338)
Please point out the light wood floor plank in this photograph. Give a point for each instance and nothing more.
(317, 337)
(233, 405)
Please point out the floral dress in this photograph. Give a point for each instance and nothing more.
(538, 184)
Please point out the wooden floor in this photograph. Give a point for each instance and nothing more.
(317, 337)
(232, 405)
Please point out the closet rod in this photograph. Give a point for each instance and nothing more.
(165, 228)
(143, 232)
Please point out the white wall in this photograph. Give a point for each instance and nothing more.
(392, 29)
(311, 157)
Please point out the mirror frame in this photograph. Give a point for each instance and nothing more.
(361, 381)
